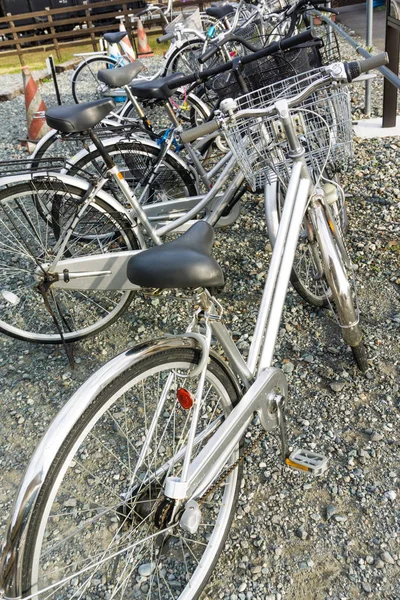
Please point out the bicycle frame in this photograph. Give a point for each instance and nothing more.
(262, 393)
(108, 271)
(265, 386)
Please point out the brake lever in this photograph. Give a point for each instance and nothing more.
(364, 77)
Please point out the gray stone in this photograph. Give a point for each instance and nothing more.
(340, 518)
(301, 533)
(337, 386)
(146, 569)
(288, 368)
(387, 558)
(330, 511)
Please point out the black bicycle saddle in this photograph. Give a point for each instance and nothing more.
(70, 118)
(183, 263)
(120, 75)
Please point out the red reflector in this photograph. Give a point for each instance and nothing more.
(185, 398)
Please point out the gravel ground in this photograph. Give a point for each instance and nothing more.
(333, 538)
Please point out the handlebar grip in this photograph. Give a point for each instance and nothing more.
(328, 9)
(165, 37)
(355, 68)
(207, 55)
(193, 134)
(296, 40)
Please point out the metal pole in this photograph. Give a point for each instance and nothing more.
(52, 71)
(368, 89)
(387, 73)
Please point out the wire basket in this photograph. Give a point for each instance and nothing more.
(322, 124)
(252, 33)
(329, 50)
(263, 72)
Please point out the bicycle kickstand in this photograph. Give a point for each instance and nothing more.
(300, 459)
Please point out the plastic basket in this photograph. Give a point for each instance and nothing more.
(189, 21)
(322, 123)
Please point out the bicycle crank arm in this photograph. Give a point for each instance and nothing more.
(101, 272)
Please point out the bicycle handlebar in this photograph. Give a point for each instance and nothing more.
(357, 67)
(229, 38)
(351, 69)
(205, 129)
(286, 44)
(165, 37)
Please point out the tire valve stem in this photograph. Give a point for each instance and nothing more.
(184, 398)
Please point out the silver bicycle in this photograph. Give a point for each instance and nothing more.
(65, 241)
(132, 491)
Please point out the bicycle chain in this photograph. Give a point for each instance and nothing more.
(230, 469)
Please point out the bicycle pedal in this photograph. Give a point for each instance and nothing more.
(306, 460)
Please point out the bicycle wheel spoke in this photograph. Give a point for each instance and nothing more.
(108, 529)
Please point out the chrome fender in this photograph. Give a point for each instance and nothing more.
(77, 182)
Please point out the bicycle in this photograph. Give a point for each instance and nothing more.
(192, 107)
(137, 478)
(53, 226)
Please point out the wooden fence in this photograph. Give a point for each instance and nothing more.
(54, 29)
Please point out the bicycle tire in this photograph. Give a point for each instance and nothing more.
(105, 503)
(28, 240)
(85, 86)
(136, 160)
(185, 58)
(304, 272)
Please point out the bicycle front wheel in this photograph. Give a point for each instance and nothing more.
(34, 217)
(84, 83)
(98, 528)
(307, 273)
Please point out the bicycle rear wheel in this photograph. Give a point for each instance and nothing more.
(138, 160)
(84, 83)
(98, 527)
(34, 217)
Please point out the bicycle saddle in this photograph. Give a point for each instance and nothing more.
(183, 263)
(71, 118)
(155, 88)
(120, 75)
(114, 37)
(218, 12)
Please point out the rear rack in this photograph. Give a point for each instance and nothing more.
(40, 167)
(27, 166)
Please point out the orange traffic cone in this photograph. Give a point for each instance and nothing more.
(143, 45)
(35, 107)
(126, 44)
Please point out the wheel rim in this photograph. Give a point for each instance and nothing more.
(28, 238)
(136, 164)
(306, 275)
(180, 559)
(86, 87)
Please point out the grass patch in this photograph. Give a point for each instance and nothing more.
(37, 60)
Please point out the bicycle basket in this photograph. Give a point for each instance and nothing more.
(329, 51)
(322, 123)
(189, 21)
(263, 72)
(250, 33)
